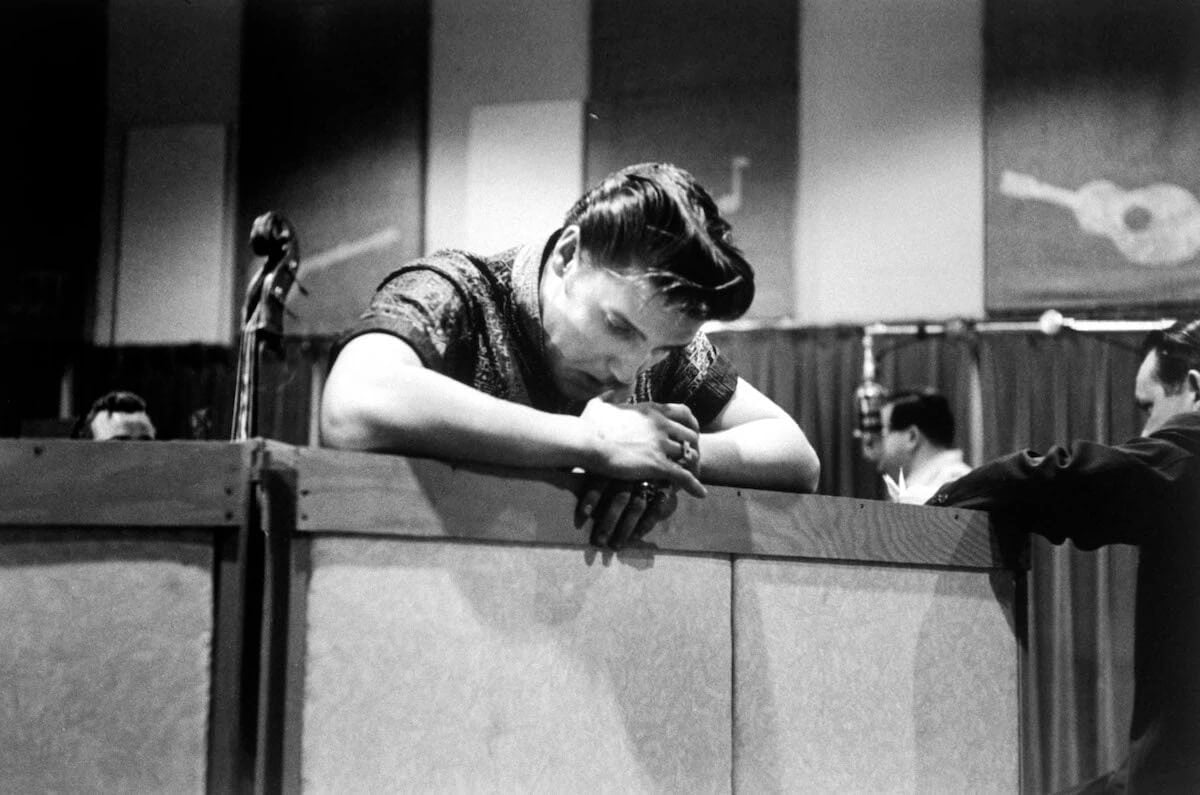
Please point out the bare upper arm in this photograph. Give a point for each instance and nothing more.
(746, 405)
(375, 351)
(368, 373)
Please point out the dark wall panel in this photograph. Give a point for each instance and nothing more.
(332, 136)
(712, 87)
(1093, 153)
(52, 67)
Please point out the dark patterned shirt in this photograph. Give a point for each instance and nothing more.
(478, 320)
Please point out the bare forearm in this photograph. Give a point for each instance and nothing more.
(425, 413)
(380, 397)
(768, 453)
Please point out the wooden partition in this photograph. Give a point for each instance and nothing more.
(433, 628)
(122, 617)
(440, 628)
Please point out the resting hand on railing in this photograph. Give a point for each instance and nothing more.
(646, 441)
(622, 511)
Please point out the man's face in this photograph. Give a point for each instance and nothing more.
(1154, 399)
(895, 447)
(602, 328)
(124, 426)
(870, 445)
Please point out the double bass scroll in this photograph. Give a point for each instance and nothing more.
(274, 238)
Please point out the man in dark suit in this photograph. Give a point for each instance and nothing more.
(1144, 492)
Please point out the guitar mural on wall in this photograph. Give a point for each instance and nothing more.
(1155, 226)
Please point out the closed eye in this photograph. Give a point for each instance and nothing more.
(619, 326)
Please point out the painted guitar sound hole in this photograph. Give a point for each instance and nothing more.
(1137, 218)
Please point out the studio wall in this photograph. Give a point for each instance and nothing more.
(52, 56)
(170, 66)
(332, 137)
(874, 202)
(867, 206)
(514, 56)
(1093, 154)
(890, 195)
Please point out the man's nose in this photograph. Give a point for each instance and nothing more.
(625, 365)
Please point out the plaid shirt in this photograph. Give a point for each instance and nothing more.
(478, 320)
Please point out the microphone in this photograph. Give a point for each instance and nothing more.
(869, 396)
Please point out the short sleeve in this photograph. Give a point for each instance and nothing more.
(424, 307)
(699, 376)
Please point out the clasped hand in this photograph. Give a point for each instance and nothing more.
(648, 452)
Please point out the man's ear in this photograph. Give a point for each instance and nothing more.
(566, 250)
(1193, 384)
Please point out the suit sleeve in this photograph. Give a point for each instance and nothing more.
(1090, 493)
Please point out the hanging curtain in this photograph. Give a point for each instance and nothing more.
(286, 400)
(945, 363)
(1039, 391)
(189, 389)
(176, 381)
(812, 373)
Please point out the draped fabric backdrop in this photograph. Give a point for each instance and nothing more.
(1036, 391)
(179, 381)
(812, 374)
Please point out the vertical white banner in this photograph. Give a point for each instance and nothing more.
(524, 171)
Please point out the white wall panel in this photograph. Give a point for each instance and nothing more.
(891, 160)
(524, 170)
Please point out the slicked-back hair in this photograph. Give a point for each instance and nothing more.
(654, 221)
(927, 409)
(116, 401)
(1178, 349)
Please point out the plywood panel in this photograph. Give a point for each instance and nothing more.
(873, 679)
(82, 482)
(446, 666)
(391, 495)
(105, 648)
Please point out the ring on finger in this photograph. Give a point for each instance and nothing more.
(649, 492)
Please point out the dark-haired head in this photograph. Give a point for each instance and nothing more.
(1168, 379)
(927, 410)
(653, 221)
(117, 402)
(1178, 351)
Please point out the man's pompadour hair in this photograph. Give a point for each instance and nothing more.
(654, 221)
